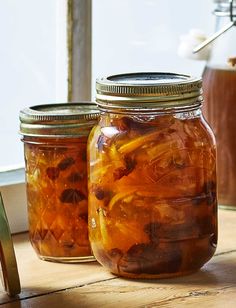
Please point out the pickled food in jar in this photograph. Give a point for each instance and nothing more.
(152, 194)
(57, 194)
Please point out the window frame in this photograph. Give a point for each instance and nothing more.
(79, 50)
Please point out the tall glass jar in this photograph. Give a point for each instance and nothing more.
(55, 140)
(152, 177)
(219, 84)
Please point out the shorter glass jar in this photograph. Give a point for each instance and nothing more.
(152, 177)
(55, 141)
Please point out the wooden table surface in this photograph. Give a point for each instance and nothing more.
(46, 284)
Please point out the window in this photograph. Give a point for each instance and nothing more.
(33, 49)
(46, 55)
(33, 71)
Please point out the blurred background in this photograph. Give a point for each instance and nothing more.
(127, 36)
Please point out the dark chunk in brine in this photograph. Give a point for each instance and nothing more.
(151, 259)
(53, 173)
(71, 196)
(66, 163)
(124, 171)
(75, 177)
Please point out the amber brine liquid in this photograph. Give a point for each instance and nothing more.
(152, 194)
(56, 176)
(220, 110)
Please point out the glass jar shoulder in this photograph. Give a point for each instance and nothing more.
(130, 134)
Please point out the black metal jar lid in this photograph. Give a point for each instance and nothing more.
(58, 120)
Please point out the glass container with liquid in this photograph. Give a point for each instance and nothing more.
(219, 84)
(55, 145)
(152, 177)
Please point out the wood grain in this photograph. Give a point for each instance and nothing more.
(46, 284)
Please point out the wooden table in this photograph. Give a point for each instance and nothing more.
(46, 284)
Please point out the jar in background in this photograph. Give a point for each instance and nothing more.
(152, 177)
(55, 141)
(219, 84)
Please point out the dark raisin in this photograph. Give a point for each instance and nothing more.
(152, 231)
(124, 171)
(99, 193)
(53, 173)
(75, 177)
(66, 163)
(84, 216)
(71, 196)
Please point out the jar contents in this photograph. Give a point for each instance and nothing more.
(57, 197)
(152, 194)
(55, 148)
(220, 97)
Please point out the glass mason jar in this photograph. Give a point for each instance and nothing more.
(219, 84)
(152, 177)
(55, 140)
